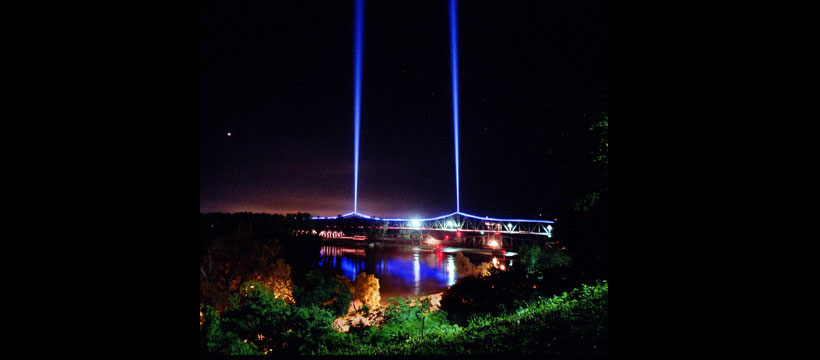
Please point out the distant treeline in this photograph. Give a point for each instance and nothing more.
(263, 226)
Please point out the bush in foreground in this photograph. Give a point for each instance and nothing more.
(568, 326)
(257, 322)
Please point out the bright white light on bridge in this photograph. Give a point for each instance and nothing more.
(415, 223)
(451, 224)
(493, 243)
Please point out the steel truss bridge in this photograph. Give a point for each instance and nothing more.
(455, 229)
(457, 222)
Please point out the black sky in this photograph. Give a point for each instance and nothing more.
(279, 77)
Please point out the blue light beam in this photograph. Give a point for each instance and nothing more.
(454, 71)
(358, 44)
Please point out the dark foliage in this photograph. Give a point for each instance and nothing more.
(323, 289)
(572, 325)
(239, 247)
(502, 291)
(302, 254)
(259, 323)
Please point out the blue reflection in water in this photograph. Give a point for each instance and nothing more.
(401, 272)
(350, 268)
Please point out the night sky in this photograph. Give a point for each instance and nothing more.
(278, 75)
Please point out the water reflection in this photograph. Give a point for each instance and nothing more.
(343, 260)
(451, 270)
(401, 271)
(416, 273)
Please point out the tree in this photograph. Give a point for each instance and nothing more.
(466, 268)
(214, 339)
(301, 252)
(596, 181)
(308, 327)
(234, 258)
(258, 322)
(588, 223)
(259, 317)
(343, 295)
(536, 258)
(483, 269)
(470, 295)
(323, 290)
(278, 279)
(406, 318)
(366, 290)
(239, 256)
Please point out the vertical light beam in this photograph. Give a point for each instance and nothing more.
(454, 71)
(358, 30)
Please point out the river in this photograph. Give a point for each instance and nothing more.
(404, 270)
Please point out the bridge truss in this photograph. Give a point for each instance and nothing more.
(457, 222)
